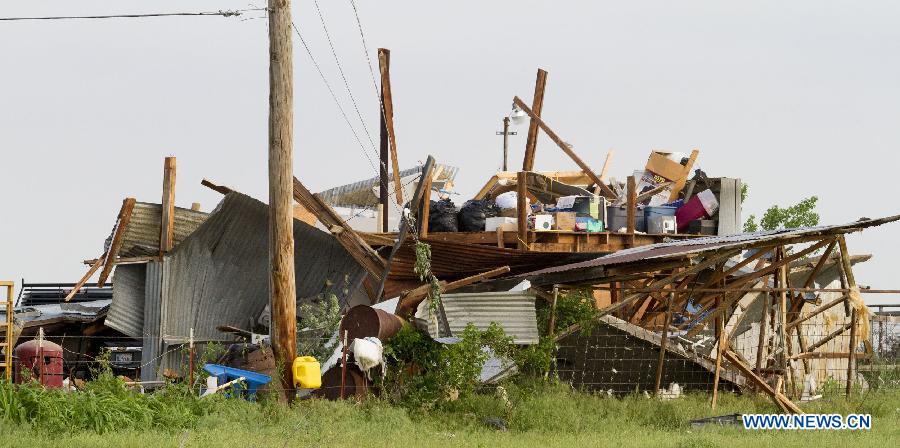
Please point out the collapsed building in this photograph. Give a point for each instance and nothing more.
(680, 294)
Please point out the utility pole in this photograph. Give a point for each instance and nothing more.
(505, 135)
(282, 289)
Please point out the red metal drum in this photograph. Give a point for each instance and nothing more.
(43, 363)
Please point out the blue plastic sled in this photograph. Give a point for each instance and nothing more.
(253, 380)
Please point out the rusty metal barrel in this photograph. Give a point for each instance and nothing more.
(364, 321)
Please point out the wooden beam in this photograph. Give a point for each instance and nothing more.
(854, 315)
(537, 105)
(411, 299)
(84, 279)
(829, 337)
(679, 183)
(405, 225)
(711, 260)
(817, 311)
(116, 244)
(780, 400)
(426, 209)
(384, 64)
(345, 235)
(522, 210)
(167, 217)
(212, 186)
(632, 204)
(662, 343)
(606, 163)
(566, 148)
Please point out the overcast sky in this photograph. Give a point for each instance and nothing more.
(796, 98)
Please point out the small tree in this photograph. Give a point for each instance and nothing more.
(802, 214)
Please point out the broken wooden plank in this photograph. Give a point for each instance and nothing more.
(118, 236)
(345, 235)
(84, 279)
(537, 105)
(167, 216)
(566, 149)
(410, 300)
(215, 187)
(384, 64)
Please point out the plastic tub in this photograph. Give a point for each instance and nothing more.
(617, 218)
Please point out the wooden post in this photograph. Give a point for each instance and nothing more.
(566, 148)
(388, 136)
(537, 105)
(761, 347)
(782, 303)
(344, 364)
(426, 207)
(662, 342)
(282, 286)
(118, 237)
(551, 328)
(851, 283)
(167, 218)
(632, 204)
(379, 222)
(522, 209)
(195, 206)
(720, 344)
(605, 168)
(505, 142)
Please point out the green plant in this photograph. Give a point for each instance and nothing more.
(422, 268)
(425, 373)
(801, 214)
(319, 320)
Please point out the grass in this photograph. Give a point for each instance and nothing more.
(539, 414)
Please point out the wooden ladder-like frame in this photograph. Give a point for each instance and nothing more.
(6, 342)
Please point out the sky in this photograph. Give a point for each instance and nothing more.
(795, 98)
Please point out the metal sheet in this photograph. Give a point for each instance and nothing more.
(150, 350)
(674, 249)
(141, 237)
(514, 311)
(126, 313)
(219, 274)
(362, 193)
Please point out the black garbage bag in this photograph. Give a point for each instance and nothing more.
(442, 216)
(473, 213)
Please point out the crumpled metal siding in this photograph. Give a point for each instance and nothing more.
(514, 311)
(126, 313)
(141, 237)
(361, 194)
(699, 245)
(219, 274)
(152, 340)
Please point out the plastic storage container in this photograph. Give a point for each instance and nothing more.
(698, 207)
(617, 218)
(39, 362)
(307, 372)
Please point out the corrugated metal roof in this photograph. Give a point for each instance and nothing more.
(219, 274)
(142, 234)
(680, 248)
(513, 310)
(362, 193)
(126, 313)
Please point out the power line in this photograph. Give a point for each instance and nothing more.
(222, 13)
(343, 76)
(334, 96)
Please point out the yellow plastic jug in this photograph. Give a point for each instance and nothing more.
(307, 372)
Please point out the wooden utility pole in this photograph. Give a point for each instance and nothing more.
(167, 218)
(537, 104)
(283, 290)
(522, 209)
(388, 136)
(506, 133)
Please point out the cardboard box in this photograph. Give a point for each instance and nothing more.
(504, 223)
(509, 213)
(542, 222)
(564, 221)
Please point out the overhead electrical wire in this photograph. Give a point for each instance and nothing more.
(222, 13)
(343, 76)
